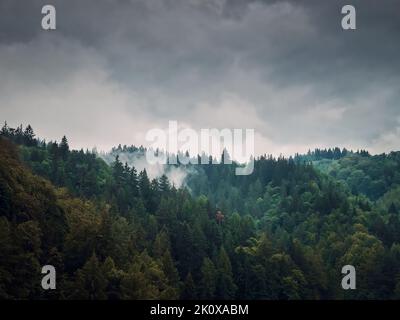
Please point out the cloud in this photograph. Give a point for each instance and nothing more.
(176, 175)
(389, 140)
(114, 69)
(67, 90)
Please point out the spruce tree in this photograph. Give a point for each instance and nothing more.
(226, 287)
(208, 279)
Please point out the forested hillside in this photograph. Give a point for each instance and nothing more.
(283, 232)
(362, 173)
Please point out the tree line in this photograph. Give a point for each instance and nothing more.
(283, 232)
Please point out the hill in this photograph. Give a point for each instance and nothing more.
(283, 232)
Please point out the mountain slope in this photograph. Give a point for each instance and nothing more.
(284, 232)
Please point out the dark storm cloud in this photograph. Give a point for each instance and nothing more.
(287, 65)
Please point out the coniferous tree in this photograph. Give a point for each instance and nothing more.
(164, 185)
(64, 147)
(91, 282)
(169, 269)
(226, 288)
(189, 288)
(208, 280)
(29, 136)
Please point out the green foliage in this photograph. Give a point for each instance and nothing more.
(283, 232)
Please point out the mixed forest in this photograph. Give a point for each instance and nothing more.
(112, 232)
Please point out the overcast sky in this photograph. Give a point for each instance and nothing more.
(114, 69)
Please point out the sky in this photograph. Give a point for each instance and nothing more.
(113, 70)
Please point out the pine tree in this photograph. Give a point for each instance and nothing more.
(104, 243)
(169, 269)
(5, 130)
(208, 279)
(166, 215)
(161, 244)
(113, 277)
(133, 182)
(164, 185)
(29, 136)
(118, 171)
(91, 282)
(18, 135)
(64, 147)
(145, 190)
(189, 289)
(226, 287)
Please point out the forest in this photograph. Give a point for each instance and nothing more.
(113, 232)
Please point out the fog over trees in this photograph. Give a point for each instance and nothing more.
(112, 232)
